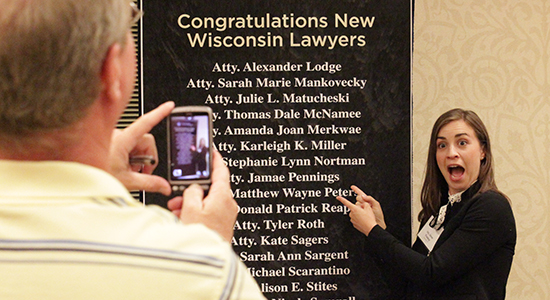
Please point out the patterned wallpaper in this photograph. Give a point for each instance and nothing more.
(493, 57)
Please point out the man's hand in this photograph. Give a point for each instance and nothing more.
(135, 140)
(218, 211)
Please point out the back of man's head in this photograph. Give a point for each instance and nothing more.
(51, 55)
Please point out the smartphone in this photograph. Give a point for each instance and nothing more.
(189, 136)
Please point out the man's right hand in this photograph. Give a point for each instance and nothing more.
(218, 210)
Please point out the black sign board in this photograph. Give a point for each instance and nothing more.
(309, 97)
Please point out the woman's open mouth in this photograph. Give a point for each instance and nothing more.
(456, 172)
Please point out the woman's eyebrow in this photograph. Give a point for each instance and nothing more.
(456, 135)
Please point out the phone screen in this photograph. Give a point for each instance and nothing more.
(189, 147)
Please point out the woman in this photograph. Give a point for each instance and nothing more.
(199, 157)
(466, 243)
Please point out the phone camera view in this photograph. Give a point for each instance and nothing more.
(189, 153)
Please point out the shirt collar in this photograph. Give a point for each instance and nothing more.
(464, 195)
(455, 198)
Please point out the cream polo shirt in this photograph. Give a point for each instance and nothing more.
(71, 231)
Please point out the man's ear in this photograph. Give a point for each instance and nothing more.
(111, 74)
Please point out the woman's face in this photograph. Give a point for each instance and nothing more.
(459, 155)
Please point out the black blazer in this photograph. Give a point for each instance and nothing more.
(470, 260)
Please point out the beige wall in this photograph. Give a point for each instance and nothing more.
(493, 57)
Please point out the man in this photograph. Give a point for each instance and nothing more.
(70, 230)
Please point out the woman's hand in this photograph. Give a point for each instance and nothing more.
(365, 213)
(375, 205)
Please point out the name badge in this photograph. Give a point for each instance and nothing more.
(429, 235)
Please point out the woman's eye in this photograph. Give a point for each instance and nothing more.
(441, 146)
(463, 143)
